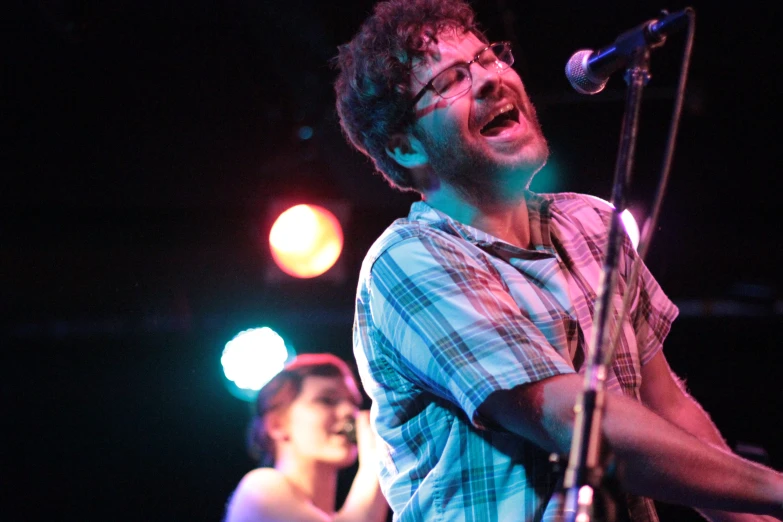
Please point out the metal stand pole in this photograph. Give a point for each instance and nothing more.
(586, 467)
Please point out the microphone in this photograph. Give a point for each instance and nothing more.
(349, 430)
(588, 71)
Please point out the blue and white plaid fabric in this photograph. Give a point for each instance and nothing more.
(446, 315)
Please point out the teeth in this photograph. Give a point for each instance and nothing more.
(500, 110)
(503, 109)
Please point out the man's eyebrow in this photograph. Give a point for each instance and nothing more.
(474, 54)
(434, 74)
(416, 70)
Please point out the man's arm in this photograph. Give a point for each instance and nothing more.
(665, 394)
(660, 460)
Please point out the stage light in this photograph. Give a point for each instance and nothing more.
(630, 226)
(628, 221)
(306, 241)
(252, 358)
(305, 132)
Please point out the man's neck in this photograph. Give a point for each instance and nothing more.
(506, 219)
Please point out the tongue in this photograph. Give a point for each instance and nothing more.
(498, 128)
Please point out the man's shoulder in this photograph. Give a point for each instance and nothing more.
(406, 233)
(572, 201)
(405, 230)
(578, 207)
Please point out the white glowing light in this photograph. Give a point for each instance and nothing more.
(306, 240)
(629, 222)
(630, 226)
(253, 357)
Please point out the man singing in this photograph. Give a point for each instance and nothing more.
(475, 313)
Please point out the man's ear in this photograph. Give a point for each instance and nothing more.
(407, 151)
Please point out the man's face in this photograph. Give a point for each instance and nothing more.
(469, 144)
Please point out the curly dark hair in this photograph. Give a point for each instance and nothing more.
(372, 87)
(281, 391)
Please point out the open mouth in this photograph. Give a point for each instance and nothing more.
(503, 118)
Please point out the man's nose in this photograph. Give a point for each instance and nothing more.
(485, 81)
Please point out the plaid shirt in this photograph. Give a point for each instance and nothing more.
(447, 314)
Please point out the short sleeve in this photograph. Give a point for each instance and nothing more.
(456, 330)
(653, 313)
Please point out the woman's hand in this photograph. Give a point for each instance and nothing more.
(365, 502)
(366, 441)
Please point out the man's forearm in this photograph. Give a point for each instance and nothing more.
(659, 459)
(665, 462)
(688, 414)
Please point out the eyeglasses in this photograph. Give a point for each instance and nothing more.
(457, 80)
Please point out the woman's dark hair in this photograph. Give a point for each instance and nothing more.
(372, 87)
(284, 388)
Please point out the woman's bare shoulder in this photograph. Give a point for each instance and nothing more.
(269, 477)
(257, 494)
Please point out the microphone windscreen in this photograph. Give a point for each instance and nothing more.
(579, 76)
(349, 430)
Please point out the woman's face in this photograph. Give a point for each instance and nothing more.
(316, 418)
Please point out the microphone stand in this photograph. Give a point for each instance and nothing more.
(585, 479)
(585, 474)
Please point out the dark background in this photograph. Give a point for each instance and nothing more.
(145, 144)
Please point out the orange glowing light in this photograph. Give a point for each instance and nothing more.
(306, 241)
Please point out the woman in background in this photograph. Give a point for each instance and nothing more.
(304, 433)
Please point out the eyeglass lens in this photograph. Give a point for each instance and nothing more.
(457, 79)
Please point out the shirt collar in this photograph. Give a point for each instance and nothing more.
(539, 217)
